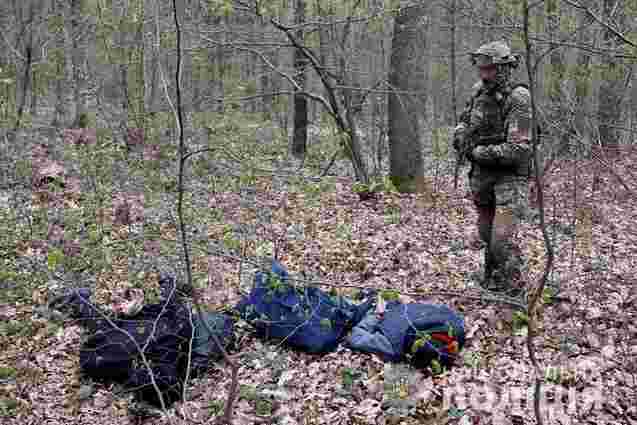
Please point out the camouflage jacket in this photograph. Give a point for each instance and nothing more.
(498, 128)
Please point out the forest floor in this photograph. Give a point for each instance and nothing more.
(415, 244)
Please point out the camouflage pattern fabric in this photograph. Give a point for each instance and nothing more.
(502, 203)
(499, 173)
(516, 151)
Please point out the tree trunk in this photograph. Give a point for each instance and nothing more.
(452, 63)
(152, 101)
(633, 102)
(299, 138)
(220, 68)
(65, 89)
(610, 96)
(405, 110)
(26, 82)
(78, 56)
(557, 68)
(588, 95)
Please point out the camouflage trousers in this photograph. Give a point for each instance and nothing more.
(502, 203)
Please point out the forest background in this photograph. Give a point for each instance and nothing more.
(200, 137)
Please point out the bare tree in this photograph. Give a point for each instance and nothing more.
(405, 110)
(65, 108)
(79, 61)
(612, 84)
(299, 137)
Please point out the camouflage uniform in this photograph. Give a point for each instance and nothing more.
(500, 167)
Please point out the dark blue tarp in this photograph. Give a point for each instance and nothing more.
(306, 318)
(394, 336)
(112, 350)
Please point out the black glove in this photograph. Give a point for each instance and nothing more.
(470, 154)
(456, 143)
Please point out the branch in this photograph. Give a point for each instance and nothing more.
(483, 295)
(189, 361)
(601, 158)
(349, 142)
(227, 417)
(330, 164)
(288, 77)
(182, 150)
(601, 22)
(535, 295)
(160, 69)
(139, 349)
(15, 52)
(317, 67)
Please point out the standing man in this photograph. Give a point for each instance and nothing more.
(494, 135)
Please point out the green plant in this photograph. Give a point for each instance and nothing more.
(359, 187)
(377, 185)
(520, 323)
(265, 249)
(552, 374)
(229, 240)
(8, 406)
(471, 359)
(344, 231)
(7, 372)
(326, 324)
(390, 294)
(520, 319)
(263, 407)
(215, 407)
(392, 216)
(440, 142)
(275, 284)
(348, 376)
(7, 275)
(548, 295)
(55, 257)
(14, 328)
(247, 392)
(421, 340)
(436, 367)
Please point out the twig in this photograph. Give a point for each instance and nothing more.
(160, 69)
(189, 361)
(329, 165)
(285, 75)
(606, 25)
(601, 158)
(484, 296)
(15, 52)
(139, 349)
(535, 295)
(227, 417)
(163, 309)
(336, 110)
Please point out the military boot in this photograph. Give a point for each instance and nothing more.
(496, 281)
(506, 281)
(486, 281)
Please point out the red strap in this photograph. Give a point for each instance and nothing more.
(443, 337)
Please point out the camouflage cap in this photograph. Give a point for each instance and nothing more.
(494, 53)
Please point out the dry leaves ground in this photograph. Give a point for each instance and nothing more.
(412, 243)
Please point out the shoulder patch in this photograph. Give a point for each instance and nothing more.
(519, 88)
(520, 95)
